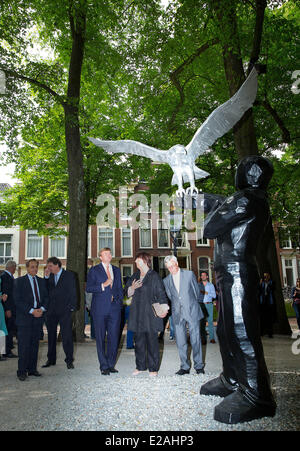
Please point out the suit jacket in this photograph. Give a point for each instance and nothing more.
(7, 287)
(102, 303)
(24, 300)
(63, 296)
(185, 304)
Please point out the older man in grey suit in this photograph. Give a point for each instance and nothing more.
(183, 291)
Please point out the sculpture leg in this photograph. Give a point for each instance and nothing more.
(241, 347)
(226, 383)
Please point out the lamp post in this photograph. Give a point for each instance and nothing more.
(175, 223)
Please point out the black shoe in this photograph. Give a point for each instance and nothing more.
(2, 359)
(218, 387)
(181, 372)
(34, 373)
(10, 355)
(22, 377)
(105, 372)
(200, 371)
(47, 364)
(236, 408)
(70, 366)
(113, 370)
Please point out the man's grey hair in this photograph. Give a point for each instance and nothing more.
(10, 264)
(168, 258)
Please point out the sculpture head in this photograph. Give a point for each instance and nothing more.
(253, 172)
(179, 149)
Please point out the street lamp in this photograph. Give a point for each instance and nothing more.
(175, 223)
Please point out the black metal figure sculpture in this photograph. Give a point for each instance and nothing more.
(237, 223)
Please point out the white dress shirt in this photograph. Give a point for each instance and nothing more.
(176, 280)
(110, 269)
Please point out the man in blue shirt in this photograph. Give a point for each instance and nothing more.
(207, 294)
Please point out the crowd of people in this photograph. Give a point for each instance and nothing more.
(185, 303)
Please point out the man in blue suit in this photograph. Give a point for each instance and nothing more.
(31, 300)
(104, 281)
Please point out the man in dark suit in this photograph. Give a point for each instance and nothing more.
(104, 281)
(7, 287)
(31, 300)
(62, 290)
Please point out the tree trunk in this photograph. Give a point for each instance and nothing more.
(244, 131)
(77, 244)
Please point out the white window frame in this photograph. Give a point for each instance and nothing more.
(169, 236)
(89, 242)
(126, 265)
(199, 231)
(185, 241)
(293, 267)
(151, 238)
(114, 239)
(26, 247)
(50, 239)
(6, 258)
(209, 266)
(122, 252)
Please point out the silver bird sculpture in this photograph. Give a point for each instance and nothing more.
(182, 158)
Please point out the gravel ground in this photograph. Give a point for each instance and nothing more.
(83, 400)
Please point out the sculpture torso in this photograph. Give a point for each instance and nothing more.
(237, 225)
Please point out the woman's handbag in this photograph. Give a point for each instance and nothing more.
(160, 310)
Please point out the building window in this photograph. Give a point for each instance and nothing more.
(126, 242)
(58, 247)
(146, 235)
(106, 238)
(88, 250)
(163, 234)
(200, 240)
(181, 239)
(204, 265)
(126, 271)
(289, 271)
(34, 245)
(5, 248)
(285, 240)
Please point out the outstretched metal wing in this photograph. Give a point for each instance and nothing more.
(134, 147)
(223, 118)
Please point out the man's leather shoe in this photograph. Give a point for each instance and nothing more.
(34, 373)
(70, 366)
(113, 370)
(47, 364)
(200, 371)
(105, 372)
(181, 372)
(22, 377)
(10, 356)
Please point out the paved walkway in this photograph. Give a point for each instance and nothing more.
(51, 402)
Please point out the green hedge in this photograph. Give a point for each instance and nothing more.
(288, 307)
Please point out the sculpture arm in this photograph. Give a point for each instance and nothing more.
(226, 216)
(212, 201)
